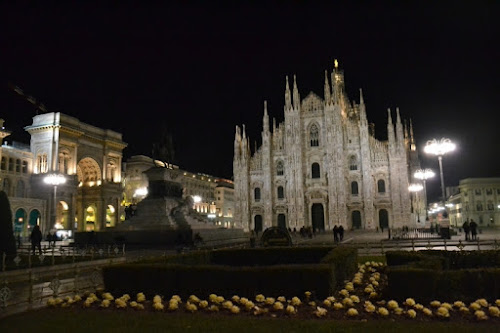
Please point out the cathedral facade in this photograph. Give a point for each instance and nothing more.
(323, 166)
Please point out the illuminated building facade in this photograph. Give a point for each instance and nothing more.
(323, 166)
(477, 199)
(88, 157)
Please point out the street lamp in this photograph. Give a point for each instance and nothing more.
(414, 188)
(54, 179)
(423, 175)
(440, 148)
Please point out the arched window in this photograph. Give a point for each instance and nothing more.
(353, 163)
(256, 193)
(354, 188)
(315, 172)
(381, 186)
(4, 163)
(18, 165)
(281, 192)
(280, 168)
(25, 167)
(11, 164)
(314, 136)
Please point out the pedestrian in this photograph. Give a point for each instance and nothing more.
(473, 229)
(341, 233)
(466, 228)
(335, 234)
(36, 239)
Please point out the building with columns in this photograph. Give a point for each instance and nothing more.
(323, 166)
(90, 160)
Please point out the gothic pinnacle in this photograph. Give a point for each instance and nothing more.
(389, 121)
(327, 89)
(361, 99)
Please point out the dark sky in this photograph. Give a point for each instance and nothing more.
(198, 70)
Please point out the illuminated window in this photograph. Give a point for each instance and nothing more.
(4, 163)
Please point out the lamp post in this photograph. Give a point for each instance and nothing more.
(54, 179)
(440, 148)
(414, 188)
(423, 175)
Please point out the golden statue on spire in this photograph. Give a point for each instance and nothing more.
(336, 63)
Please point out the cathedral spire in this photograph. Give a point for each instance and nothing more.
(288, 96)
(361, 99)
(296, 96)
(362, 109)
(265, 120)
(412, 140)
(327, 89)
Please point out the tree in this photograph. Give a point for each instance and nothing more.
(7, 240)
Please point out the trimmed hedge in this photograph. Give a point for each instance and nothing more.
(283, 272)
(443, 275)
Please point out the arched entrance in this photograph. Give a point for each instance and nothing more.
(257, 223)
(383, 219)
(318, 217)
(356, 219)
(62, 217)
(34, 218)
(20, 222)
(281, 221)
(90, 218)
(110, 216)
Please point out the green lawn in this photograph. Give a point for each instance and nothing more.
(95, 320)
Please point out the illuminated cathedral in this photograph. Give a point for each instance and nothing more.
(323, 166)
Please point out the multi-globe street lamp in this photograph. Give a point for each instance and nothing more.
(414, 188)
(439, 148)
(423, 175)
(54, 179)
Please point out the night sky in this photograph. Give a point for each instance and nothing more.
(197, 71)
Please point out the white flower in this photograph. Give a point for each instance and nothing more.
(269, 301)
(119, 303)
(234, 309)
(344, 292)
(427, 312)
(307, 294)
(435, 304)
(203, 304)
(157, 299)
(290, 309)
(355, 298)
(392, 305)
(227, 304)
(173, 304)
(464, 309)
(219, 299)
(383, 311)
(106, 302)
(410, 302)
(458, 304)
(108, 296)
(338, 306)
(412, 313)
(278, 306)
(133, 304)
(213, 308)
(235, 298)
(296, 301)
(327, 303)
(249, 305)
(176, 297)
(212, 298)
(158, 306)
(347, 302)
(193, 299)
(443, 312)
(482, 302)
(141, 297)
(320, 312)
(191, 307)
(51, 301)
(282, 299)
(480, 315)
(370, 308)
(260, 298)
(494, 311)
(398, 311)
(352, 312)
(474, 306)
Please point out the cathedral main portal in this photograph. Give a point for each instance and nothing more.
(318, 217)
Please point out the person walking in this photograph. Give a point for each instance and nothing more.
(341, 233)
(466, 228)
(473, 229)
(335, 234)
(36, 239)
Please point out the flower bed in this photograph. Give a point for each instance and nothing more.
(361, 298)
